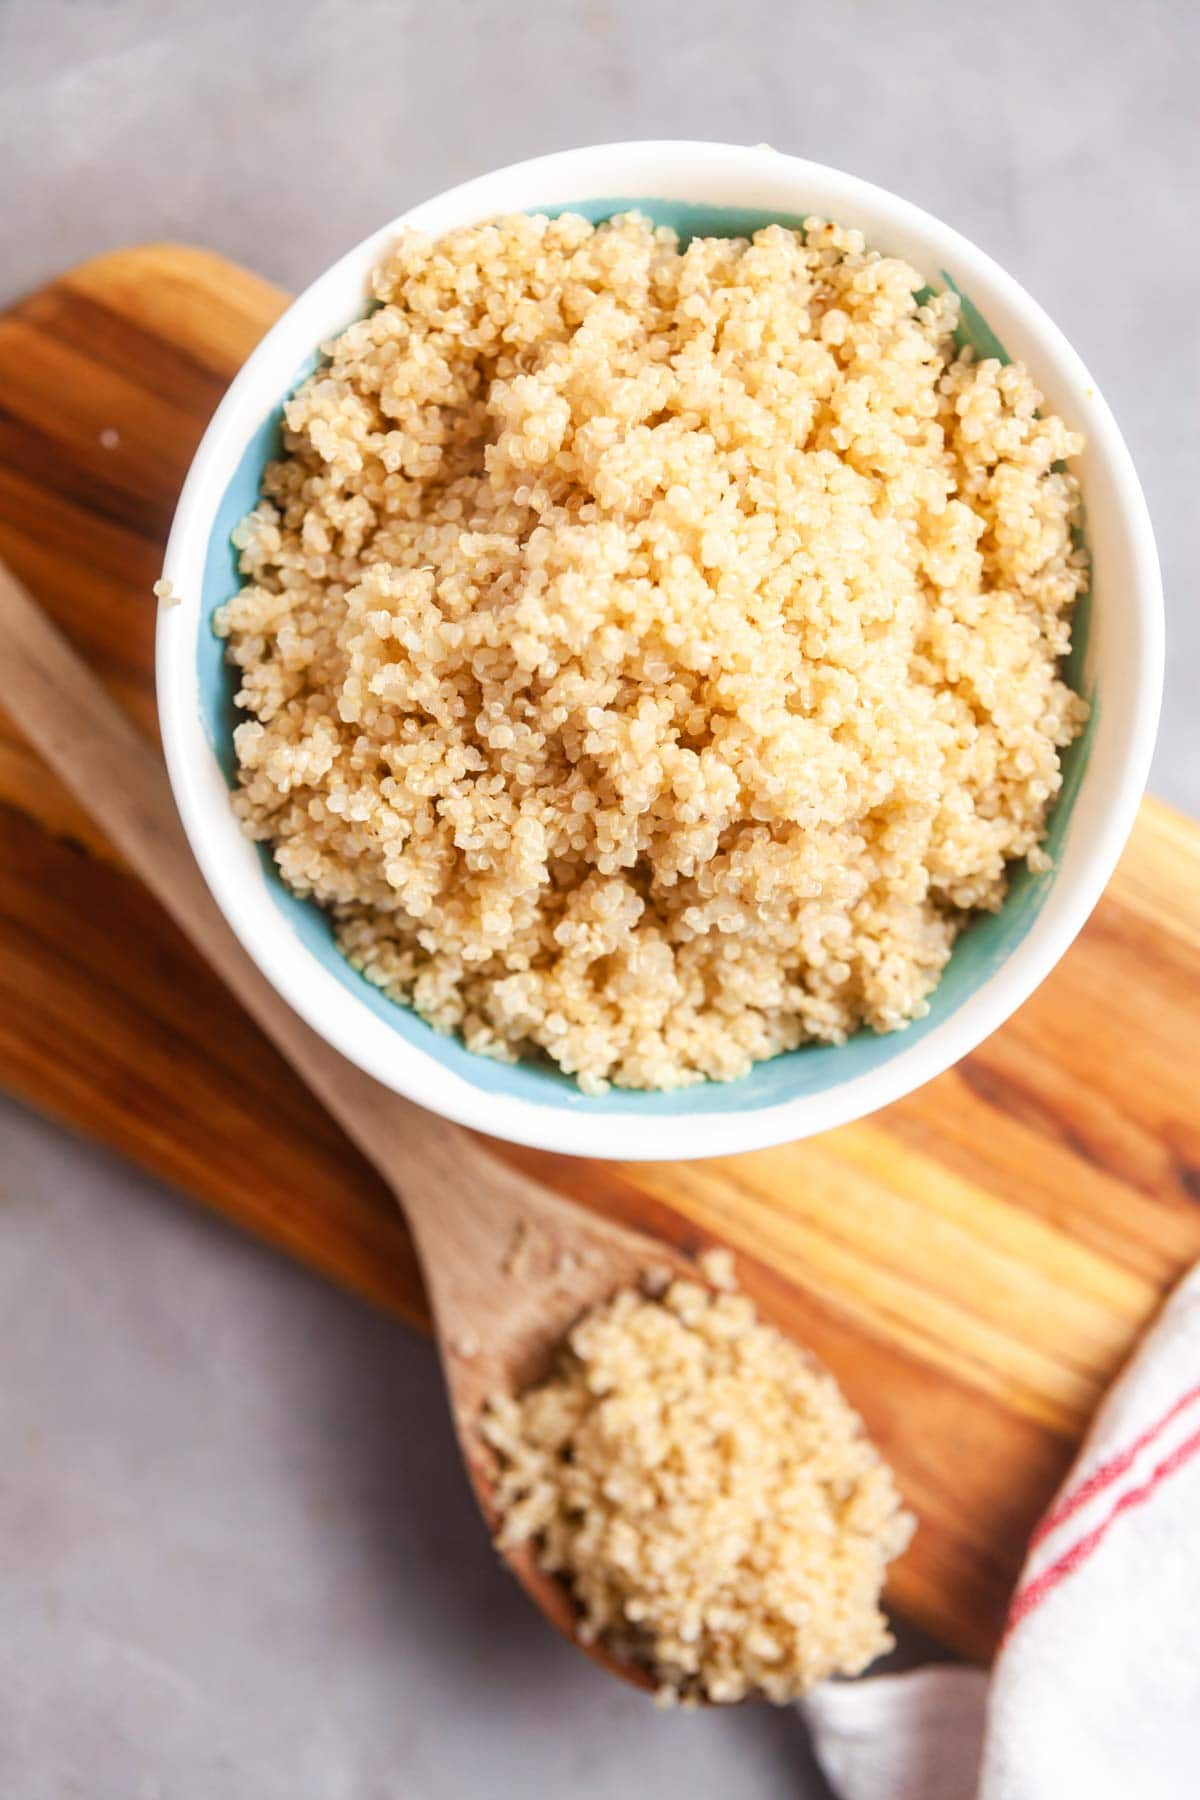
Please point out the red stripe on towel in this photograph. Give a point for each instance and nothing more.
(1032, 1595)
(1108, 1472)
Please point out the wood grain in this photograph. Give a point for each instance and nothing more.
(974, 1264)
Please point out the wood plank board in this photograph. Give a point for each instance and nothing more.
(974, 1264)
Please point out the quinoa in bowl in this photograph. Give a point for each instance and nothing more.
(651, 653)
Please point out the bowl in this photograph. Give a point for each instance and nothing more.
(999, 959)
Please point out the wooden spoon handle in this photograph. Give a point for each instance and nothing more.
(91, 745)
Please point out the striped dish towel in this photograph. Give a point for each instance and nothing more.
(1095, 1694)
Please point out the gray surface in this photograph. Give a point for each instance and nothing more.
(236, 1559)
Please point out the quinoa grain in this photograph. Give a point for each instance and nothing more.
(650, 656)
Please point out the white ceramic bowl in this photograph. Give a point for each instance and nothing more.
(998, 962)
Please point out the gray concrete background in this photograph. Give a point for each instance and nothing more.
(236, 1558)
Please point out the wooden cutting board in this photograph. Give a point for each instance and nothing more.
(974, 1263)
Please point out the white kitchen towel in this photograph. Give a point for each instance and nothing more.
(1095, 1693)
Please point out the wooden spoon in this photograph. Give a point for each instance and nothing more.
(508, 1265)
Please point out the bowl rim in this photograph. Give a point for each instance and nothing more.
(649, 169)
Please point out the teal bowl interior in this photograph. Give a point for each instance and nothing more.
(981, 949)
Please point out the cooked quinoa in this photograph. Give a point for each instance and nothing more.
(652, 654)
(707, 1494)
